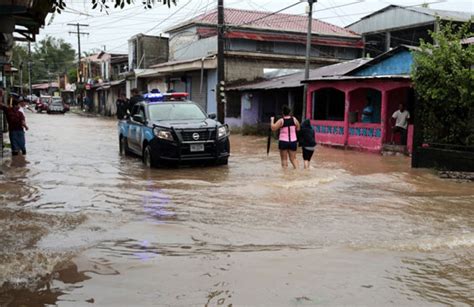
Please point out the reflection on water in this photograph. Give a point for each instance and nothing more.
(202, 233)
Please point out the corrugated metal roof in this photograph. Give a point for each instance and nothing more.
(443, 14)
(262, 20)
(395, 16)
(338, 78)
(294, 80)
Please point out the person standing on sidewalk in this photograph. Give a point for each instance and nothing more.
(16, 125)
(401, 117)
(122, 106)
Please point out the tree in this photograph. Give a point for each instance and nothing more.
(51, 57)
(104, 4)
(20, 61)
(443, 78)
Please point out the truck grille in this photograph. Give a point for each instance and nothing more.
(204, 135)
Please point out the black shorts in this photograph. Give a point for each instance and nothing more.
(399, 129)
(282, 145)
(307, 154)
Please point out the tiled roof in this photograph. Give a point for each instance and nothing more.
(262, 20)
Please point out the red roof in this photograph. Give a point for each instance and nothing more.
(276, 22)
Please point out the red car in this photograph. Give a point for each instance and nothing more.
(43, 103)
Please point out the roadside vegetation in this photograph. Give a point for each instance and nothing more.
(443, 77)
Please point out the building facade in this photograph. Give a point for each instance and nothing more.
(336, 102)
(402, 25)
(254, 41)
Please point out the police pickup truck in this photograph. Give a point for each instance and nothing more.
(169, 128)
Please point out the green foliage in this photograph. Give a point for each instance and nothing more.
(60, 5)
(50, 58)
(72, 74)
(443, 77)
(20, 61)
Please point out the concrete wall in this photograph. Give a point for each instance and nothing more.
(198, 94)
(154, 49)
(397, 64)
(293, 49)
(250, 111)
(147, 50)
(157, 83)
(194, 49)
(211, 91)
(181, 40)
(250, 69)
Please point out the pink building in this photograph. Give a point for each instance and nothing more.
(335, 103)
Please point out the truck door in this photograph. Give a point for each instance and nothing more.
(135, 130)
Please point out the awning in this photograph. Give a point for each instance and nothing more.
(162, 69)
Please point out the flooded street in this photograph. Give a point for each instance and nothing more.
(81, 225)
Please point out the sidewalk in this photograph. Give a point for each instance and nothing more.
(78, 111)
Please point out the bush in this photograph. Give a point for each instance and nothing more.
(443, 78)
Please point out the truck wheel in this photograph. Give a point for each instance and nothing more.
(123, 146)
(148, 158)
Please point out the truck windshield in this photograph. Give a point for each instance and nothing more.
(177, 111)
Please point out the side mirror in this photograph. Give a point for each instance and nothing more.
(138, 118)
(212, 115)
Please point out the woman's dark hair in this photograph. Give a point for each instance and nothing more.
(286, 110)
(306, 124)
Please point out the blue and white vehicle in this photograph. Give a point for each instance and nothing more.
(169, 128)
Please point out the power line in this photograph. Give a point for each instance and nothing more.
(79, 33)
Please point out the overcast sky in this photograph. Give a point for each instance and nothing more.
(113, 29)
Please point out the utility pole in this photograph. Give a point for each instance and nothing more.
(79, 33)
(308, 56)
(29, 69)
(220, 89)
(21, 77)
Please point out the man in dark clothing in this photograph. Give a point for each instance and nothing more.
(136, 97)
(16, 123)
(122, 106)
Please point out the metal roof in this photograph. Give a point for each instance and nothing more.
(294, 80)
(265, 21)
(468, 41)
(339, 78)
(396, 17)
(382, 57)
(443, 14)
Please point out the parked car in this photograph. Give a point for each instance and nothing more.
(32, 98)
(56, 106)
(173, 130)
(42, 104)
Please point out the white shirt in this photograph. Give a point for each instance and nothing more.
(401, 118)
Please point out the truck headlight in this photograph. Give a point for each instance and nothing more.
(222, 131)
(164, 135)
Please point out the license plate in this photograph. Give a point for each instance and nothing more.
(197, 147)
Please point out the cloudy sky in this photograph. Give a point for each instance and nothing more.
(112, 29)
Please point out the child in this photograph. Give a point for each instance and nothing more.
(307, 141)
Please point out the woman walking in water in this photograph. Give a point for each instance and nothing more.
(307, 142)
(288, 126)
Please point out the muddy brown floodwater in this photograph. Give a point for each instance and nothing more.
(81, 225)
